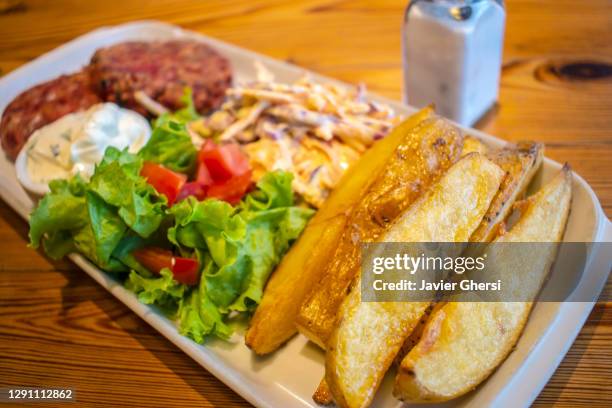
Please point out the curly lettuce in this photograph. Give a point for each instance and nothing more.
(199, 317)
(94, 218)
(170, 143)
(241, 245)
(164, 291)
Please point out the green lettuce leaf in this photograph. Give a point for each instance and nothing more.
(171, 146)
(59, 213)
(170, 143)
(58, 244)
(199, 317)
(117, 182)
(107, 228)
(86, 245)
(269, 235)
(273, 191)
(162, 291)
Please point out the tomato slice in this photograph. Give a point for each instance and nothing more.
(223, 162)
(184, 270)
(163, 180)
(223, 172)
(231, 190)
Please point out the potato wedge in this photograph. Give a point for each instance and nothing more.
(322, 394)
(302, 267)
(369, 335)
(464, 342)
(472, 144)
(418, 161)
(520, 163)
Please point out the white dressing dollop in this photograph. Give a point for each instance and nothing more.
(76, 142)
(105, 125)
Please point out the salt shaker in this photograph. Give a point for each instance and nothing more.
(452, 56)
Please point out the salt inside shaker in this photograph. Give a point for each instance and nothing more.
(452, 56)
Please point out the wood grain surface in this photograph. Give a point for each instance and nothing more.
(59, 328)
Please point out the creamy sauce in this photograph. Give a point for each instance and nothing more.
(76, 142)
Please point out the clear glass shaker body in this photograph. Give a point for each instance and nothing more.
(452, 56)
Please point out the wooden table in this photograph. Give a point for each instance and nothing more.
(59, 328)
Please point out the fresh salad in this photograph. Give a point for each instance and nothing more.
(183, 227)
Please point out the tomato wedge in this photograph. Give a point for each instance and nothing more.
(163, 180)
(223, 173)
(223, 162)
(232, 190)
(184, 270)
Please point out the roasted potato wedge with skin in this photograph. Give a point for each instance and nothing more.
(520, 163)
(464, 342)
(368, 335)
(301, 268)
(424, 154)
(322, 394)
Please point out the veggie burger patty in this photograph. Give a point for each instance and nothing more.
(161, 70)
(43, 104)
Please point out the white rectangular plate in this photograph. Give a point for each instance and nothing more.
(288, 378)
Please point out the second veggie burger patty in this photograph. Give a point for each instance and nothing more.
(161, 70)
